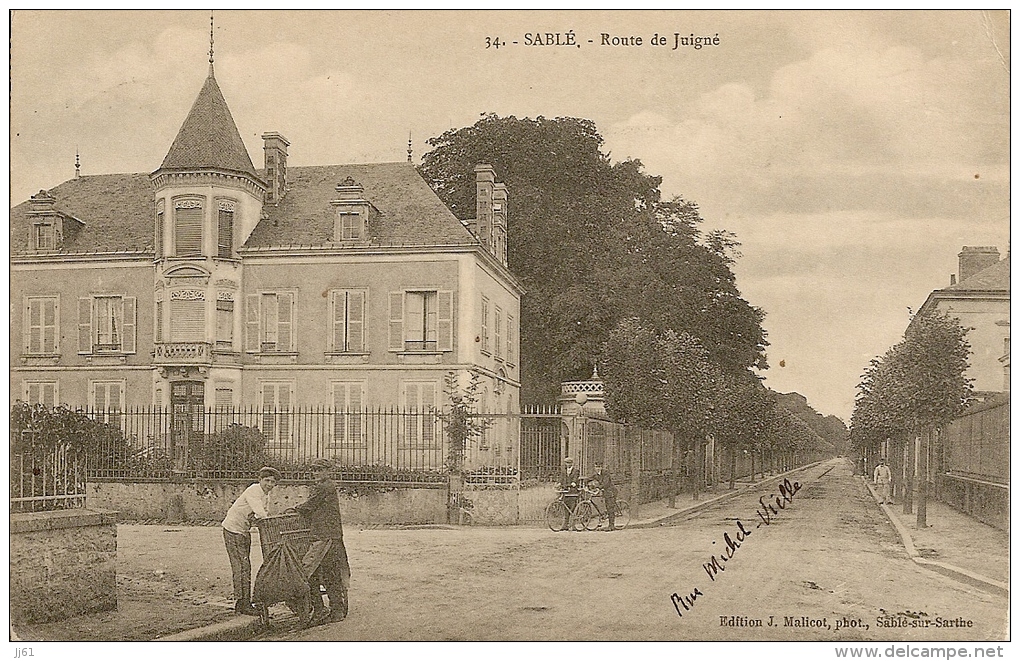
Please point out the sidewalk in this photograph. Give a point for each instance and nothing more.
(174, 581)
(954, 544)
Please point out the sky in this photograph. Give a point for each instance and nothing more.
(852, 153)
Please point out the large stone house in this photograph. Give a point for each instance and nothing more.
(980, 300)
(211, 283)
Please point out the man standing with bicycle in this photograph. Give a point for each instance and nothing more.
(602, 480)
(570, 480)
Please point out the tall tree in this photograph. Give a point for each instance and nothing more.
(593, 243)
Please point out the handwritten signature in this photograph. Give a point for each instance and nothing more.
(770, 507)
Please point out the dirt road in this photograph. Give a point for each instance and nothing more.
(828, 557)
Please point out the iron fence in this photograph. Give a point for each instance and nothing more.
(50, 479)
(407, 447)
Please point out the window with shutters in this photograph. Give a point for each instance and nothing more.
(498, 335)
(107, 400)
(159, 229)
(45, 236)
(106, 324)
(225, 229)
(485, 325)
(188, 220)
(224, 324)
(277, 399)
(269, 322)
(348, 415)
(421, 321)
(187, 316)
(509, 340)
(42, 392)
(347, 314)
(420, 423)
(41, 315)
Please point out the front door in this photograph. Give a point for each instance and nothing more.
(187, 399)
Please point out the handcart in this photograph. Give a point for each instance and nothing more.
(284, 538)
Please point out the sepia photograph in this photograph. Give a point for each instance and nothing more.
(370, 325)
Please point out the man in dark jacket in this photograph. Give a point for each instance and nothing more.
(602, 480)
(570, 482)
(325, 563)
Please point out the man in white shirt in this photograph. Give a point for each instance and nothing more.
(883, 480)
(252, 503)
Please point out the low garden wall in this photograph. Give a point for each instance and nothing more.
(202, 501)
(63, 563)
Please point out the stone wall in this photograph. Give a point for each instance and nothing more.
(62, 564)
(197, 501)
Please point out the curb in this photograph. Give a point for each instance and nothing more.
(952, 571)
(234, 629)
(697, 507)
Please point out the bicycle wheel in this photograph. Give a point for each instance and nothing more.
(583, 516)
(622, 514)
(556, 516)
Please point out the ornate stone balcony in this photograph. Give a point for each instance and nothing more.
(182, 353)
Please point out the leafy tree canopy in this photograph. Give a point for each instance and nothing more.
(593, 243)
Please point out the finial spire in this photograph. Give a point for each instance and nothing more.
(409, 151)
(77, 164)
(210, 43)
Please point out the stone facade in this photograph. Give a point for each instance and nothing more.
(62, 564)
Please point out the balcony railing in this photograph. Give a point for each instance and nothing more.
(182, 353)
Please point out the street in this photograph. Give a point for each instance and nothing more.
(826, 566)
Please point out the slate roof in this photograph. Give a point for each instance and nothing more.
(410, 213)
(992, 278)
(209, 138)
(117, 210)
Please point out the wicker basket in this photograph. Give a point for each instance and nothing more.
(273, 530)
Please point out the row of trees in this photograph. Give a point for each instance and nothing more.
(618, 276)
(667, 380)
(916, 388)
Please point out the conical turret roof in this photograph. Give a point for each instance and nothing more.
(209, 138)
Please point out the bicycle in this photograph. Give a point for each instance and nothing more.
(557, 513)
(592, 516)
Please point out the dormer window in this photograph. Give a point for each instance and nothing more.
(45, 236)
(351, 225)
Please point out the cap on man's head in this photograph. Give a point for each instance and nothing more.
(269, 471)
(568, 460)
(322, 465)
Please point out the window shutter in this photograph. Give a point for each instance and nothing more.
(509, 339)
(428, 401)
(356, 321)
(129, 324)
(33, 327)
(187, 321)
(51, 332)
(498, 344)
(285, 321)
(189, 231)
(84, 325)
(226, 233)
(485, 324)
(445, 315)
(396, 342)
(251, 325)
(339, 306)
(159, 233)
(339, 410)
(356, 430)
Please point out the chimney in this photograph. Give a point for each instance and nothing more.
(976, 258)
(485, 178)
(276, 165)
(499, 227)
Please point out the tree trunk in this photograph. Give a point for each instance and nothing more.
(922, 480)
(698, 466)
(733, 467)
(908, 473)
(675, 464)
